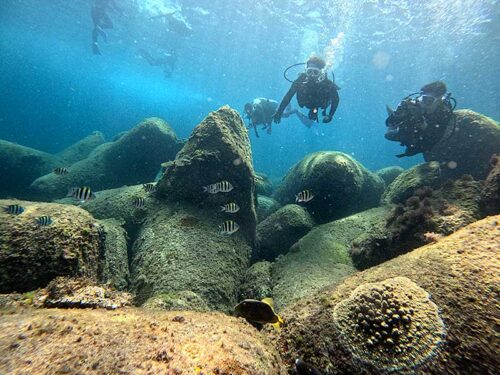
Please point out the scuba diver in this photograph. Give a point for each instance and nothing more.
(166, 61)
(260, 112)
(421, 119)
(314, 91)
(101, 21)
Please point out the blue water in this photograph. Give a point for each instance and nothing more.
(54, 91)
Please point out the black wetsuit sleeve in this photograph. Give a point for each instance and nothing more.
(287, 98)
(334, 98)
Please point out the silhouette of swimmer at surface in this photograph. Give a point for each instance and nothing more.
(167, 61)
(101, 21)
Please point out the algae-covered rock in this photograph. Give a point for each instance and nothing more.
(257, 283)
(340, 185)
(266, 206)
(263, 185)
(389, 174)
(32, 255)
(133, 159)
(281, 230)
(183, 300)
(19, 166)
(467, 146)
(82, 149)
(438, 300)
(490, 194)
(133, 341)
(217, 150)
(408, 182)
(179, 249)
(321, 257)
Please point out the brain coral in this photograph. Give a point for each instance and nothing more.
(391, 325)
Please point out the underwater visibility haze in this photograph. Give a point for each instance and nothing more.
(194, 187)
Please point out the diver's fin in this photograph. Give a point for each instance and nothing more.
(268, 301)
(390, 111)
(95, 49)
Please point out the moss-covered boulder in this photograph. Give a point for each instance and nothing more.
(19, 166)
(180, 249)
(281, 230)
(263, 185)
(81, 149)
(217, 150)
(133, 159)
(389, 174)
(490, 194)
(266, 206)
(408, 182)
(133, 341)
(321, 257)
(431, 311)
(467, 146)
(257, 283)
(32, 255)
(184, 300)
(340, 185)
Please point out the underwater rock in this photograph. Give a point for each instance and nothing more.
(257, 283)
(81, 293)
(263, 185)
(425, 217)
(280, 230)
(19, 166)
(133, 341)
(217, 150)
(408, 182)
(184, 300)
(340, 185)
(32, 255)
(180, 249)
(490, 194)
(266, 206)
(321, 257)
(134, 158)
(81, 150)
(389, 174)
(113, 268)
(453, 281)
(467, 147)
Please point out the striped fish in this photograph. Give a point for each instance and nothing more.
(231, 208)
(81, 193)
(139, 202)
(14, 209)
(60, 171)
(44, 221)
(304, 196)
(149, 187)
(228, 227)
(211, 189)
(224, 186)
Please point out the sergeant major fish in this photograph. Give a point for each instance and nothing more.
(231, 208)
(14, 209)
(83, 194)
(44, 221)
(228, 227)
(139, 202)
(61, 171)
(304, 196)
(149, 187)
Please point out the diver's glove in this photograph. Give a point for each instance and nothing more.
(277, 118)
(327, 119)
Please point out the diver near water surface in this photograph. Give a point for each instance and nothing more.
(314, 91)
(421, 119)
(101, 21)
(166, 60)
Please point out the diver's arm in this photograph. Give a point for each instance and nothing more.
(284, 102)
(334, 101)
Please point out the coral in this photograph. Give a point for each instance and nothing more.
(490, 194)
(78, 341)
(257, 283)
(389, 174)
(459, 272)
(217, 150)
(391, 325)
(82, 149)
(281, 230)
(340, 184)
(265, 207)
(467, 146)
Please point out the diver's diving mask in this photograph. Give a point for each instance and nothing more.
(314, 73)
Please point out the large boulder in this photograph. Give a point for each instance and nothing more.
(132, 341)
(389, 174)
(266, 206)
(32, 255)
(81, 149)
(467, 146)
(263, 185)
(340, 184)
(321, 257)
(407, 183)
(431, 311)
(217, 150)
(257, 283)
(281, 230)
(134, 158)
(490, 194)
(19, 166)
(179, 249)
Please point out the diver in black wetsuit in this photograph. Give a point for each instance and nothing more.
(166, 61)
(314, 91)
(101, 21)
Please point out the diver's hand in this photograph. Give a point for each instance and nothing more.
(276, 118)
(327, 119)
